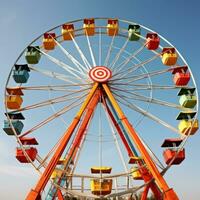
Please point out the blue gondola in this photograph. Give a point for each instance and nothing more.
(21, 73)
(16, 123)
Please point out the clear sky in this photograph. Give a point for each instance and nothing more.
(21, 21)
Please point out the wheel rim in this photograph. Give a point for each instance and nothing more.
(80, 70)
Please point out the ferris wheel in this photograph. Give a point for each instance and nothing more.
(92, 101)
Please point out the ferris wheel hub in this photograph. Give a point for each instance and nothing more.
(100, 74)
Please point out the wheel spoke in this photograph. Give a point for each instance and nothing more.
(74, 60)
(64, 66)
(91, 52)
(155, 158)
(109, 51)
(112, 65)
(145, 113)
(67, 97)
(144, 75)
(54, 116)
(133, 87)
(56, 87)
(135, 67)
(118, 68)
(54, 75)
(87, 64)
(139, 97)
(100, 48)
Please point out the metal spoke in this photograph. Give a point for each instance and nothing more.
(91, 52)
(54, 116)
(134, 67)
(100, 139)
(143, 76)
(64, 88)
(145, 113)
(67, 97)
(136, 96)
(118, 68)
(133, 87)
(112, 65)
(74, 60)
(137, 66)
(155, 158)
(109, 51)
(42, 161)
(87, 64)
(53, 74)
(64, 66)
(100, 48)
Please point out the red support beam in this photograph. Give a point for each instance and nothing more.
(121, 134)
(144, 172)
(79, 136)
(34, 194)
(169, 193)
(145, 193)
(60, 196)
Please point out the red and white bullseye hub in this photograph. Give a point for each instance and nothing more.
(100, 74)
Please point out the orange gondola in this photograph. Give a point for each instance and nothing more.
(112, 27)
(68, 31)
(49, 41)
(89, 27)
(14, 99)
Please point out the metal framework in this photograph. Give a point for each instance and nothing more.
(114, 78)
(91, 101)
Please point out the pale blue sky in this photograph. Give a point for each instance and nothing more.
(21, 21)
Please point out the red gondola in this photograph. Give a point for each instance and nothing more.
(49, 41)
(181, 76)
(172, 154)
(152, 41)
(31, 151)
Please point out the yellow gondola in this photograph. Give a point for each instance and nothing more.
(103, 170)
(101, 187)
(136, 173)
(169, 56)
(134, 159)
(188, 126)
(56, 173)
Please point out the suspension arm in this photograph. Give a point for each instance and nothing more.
(144, 172)
(73, 150)
(34, 194)
(168, 193)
